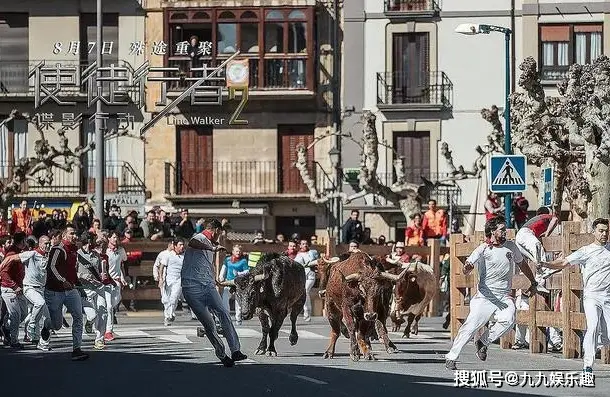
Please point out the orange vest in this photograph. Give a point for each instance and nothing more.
(21, 221)
(435, 222)
(414, 236)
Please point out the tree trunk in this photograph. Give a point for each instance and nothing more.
(559, 178)
(599, 180)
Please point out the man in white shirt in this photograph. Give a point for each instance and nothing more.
(495, 260)
(199, 290)
(594, 261)
(116, 257)
(305, 257)
(162, 257)
(170, 271)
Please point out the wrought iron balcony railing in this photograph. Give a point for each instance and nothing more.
(120, 177)
(424, 88)
(411, 6)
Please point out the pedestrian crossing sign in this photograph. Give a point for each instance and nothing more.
(507, 174)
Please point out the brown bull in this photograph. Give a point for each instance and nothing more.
(412, 295)
(355, 292)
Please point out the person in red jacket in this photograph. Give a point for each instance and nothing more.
(12, 274)
(12, 247)
(60, 289)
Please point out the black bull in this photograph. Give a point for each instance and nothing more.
(275, 287)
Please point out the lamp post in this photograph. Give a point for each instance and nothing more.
(99, 127)
(334, 155)
(472, 29)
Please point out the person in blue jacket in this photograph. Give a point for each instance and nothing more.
(234, 265)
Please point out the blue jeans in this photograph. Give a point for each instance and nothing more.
(55, 302)
(201, 299)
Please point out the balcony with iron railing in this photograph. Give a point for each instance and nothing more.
(232, 179)
(120, 177)
(428, 91)
(412, 8)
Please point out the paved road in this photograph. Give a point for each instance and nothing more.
(148, 359)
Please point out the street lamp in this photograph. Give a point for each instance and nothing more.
(472, 29)
(334, 155)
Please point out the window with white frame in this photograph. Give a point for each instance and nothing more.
(13, 145)
(111, 151)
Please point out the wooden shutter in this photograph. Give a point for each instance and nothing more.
(411, 67)
(195, 165)
(415, 148)
(555, 33)
(290, 137)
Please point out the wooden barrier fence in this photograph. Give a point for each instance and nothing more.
(150, 249)
(571, 320)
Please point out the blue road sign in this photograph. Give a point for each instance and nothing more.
(547, 186)
(507, 174)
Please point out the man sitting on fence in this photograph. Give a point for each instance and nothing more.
(528, 240)
(594, 260)
(495, 260)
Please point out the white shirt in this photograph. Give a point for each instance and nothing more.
(35, 268)
(305, 258)
(161, 258)
(174, 266)
(198, 266)
(115, 259)
(594, 261)
(496, 267)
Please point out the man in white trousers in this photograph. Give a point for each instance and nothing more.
(495, 261)
(162, 257)
(594, 261)
(116, 258)
(35, 263)
(305, 257)
(169, 281)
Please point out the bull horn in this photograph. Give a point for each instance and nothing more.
(259, 277)
(353, 277)
(330, 261)
(227, 283)
(394, 277)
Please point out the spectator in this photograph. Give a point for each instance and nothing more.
(151, 229)
(96, 228)
(131, 224)
(55, 221)
(520, 207)
(280, 239)
(493, 208)
(40, 226)
(292, 251)
(21, 219)
(313, 240)
(185, 227)
(414, 235)
(352, 229)
(113, 221)
(4, 228)
(366, 238)
(399, 255)
(381, 240)
(81, 221)
(166, 224)
(435, 222)
(199, 225)
(260, 238)
(354, 246)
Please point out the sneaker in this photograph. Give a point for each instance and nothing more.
(307, 319)
(238, 356)
(26, 339)
(238, 322)
(167, 322)
(65, 324)
(79, 355)
(227, 362)
(89, 327)
(481, 351)
(99, 345)
(172, 318)
(108, 336)
(44, 346)
(555, 348)
(520, 345)
(200, 332)
(450, 364)
(17, 346)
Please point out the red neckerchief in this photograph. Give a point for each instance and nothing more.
(235, 259)
(304, 250)
(41, 252)
(68, 246)
(208, 234)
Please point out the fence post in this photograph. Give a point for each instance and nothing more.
(434, 261)
(455, 296)
(571, 341)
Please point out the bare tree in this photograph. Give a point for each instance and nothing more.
(407, 196)
(39, 168)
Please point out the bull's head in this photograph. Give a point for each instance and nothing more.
(248, 289)
(371, 285)
(324, 267)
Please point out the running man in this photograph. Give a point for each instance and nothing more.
(169, 281)
(594, 261)
(495, 260)
(199, 289)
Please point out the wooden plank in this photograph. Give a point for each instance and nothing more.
(142, 270)
(461, 312)
(523, 317)
(463, 280)
(552, 244)
(465, 249)
(434, 261)
(579, 240)
(579, 322)
(571, 340)
(549, 319)
(456, 298)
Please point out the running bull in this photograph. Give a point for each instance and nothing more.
(412, 295)
(275, 287)
(356, 295)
